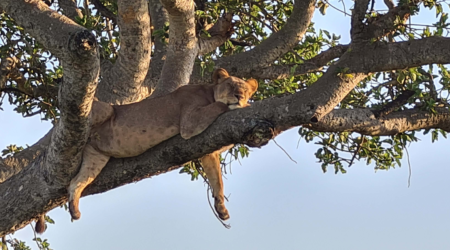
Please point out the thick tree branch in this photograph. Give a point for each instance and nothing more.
(377, 57)
(313, 65)
(386, 23)
(364, 121)
(182, 48)
(159, 17)
(220, 32)
(390, 4)
(358, 16)
(121, 83)
(276, 45)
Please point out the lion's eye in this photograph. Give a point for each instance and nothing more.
(238, 97)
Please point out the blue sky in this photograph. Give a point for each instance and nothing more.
(274, 203)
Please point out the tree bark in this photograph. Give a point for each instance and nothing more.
(121, 83)
(363, 121)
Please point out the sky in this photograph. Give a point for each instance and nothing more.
(274, 203)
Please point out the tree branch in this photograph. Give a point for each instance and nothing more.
(390, 4)
(182, 49)
(159, 18)
(363, 121)
(121, 83)
(377, 57)
(220, 33)
(358, 16)
(386, 23)
(276, 45)
(312, 65)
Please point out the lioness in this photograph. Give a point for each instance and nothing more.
(129, 130)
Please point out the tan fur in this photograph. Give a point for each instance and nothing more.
(211, 166)
(40, 224)
(130, 130)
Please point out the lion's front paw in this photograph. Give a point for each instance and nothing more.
(221, 210)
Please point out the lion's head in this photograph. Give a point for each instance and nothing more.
(231, 90)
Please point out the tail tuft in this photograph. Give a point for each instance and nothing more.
(40, 224)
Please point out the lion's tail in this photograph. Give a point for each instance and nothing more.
(40, 224)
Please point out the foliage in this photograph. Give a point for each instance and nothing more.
(11, 149)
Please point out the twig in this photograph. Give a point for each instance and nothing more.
(35, 236)
(357, 150)
(332, 6)
(284, 151)
(409, 167)
(343, 5)
(431, 86)
(395, 104)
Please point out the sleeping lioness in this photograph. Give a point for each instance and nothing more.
(129, 130)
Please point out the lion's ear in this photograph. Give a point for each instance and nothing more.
(253, 84)
(219, 74)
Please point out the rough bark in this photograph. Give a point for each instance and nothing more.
(365, 122)
(358, 16)
(220, 32)
(121, 83)
(182, 48)
(159, 18)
